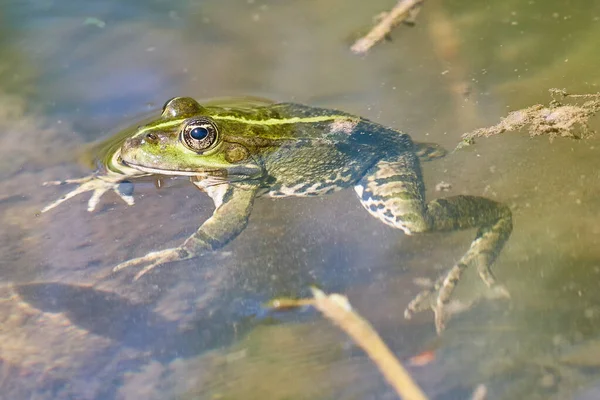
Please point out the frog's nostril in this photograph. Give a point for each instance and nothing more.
(151, 137)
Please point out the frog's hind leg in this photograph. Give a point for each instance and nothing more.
(393, 191)
(494, 223)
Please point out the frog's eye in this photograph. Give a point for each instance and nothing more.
(181, 106)
(199, 134)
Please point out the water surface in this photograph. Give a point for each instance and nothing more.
(73, 72)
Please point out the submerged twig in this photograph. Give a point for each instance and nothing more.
(338, 310)
(403, 11)
(554, 119)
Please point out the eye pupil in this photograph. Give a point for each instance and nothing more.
(199, 133)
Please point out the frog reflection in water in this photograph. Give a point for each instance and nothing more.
(236, 154)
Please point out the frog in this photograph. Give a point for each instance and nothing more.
(238, 153)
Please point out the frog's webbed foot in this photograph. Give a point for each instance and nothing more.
(95, 184)
(437, 297)
(427, 299)
(154, 259)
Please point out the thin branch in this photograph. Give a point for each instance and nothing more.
(338, 310)
(403, 10)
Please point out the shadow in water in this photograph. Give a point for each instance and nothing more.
(133, 325)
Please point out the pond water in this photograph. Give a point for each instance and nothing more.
(74, 72)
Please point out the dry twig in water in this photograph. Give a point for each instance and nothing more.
(338, 310)
(404, 10)
(555, 119)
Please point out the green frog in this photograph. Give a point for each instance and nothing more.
(237, 153)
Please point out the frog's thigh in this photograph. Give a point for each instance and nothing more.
(393, 192)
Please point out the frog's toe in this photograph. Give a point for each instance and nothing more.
(153, 260)
(428, 299)
(68, 181)
(78, 190)
(146, 269)
(100, 188)
(53, 204)
(99, 191)
(421, 302)
(95, 198)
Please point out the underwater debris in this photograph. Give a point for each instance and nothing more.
(564, 116)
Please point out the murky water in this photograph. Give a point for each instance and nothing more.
(72, 72)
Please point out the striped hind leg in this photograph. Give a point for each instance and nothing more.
(393, 192)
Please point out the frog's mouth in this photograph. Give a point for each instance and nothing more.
(161, 171)
(237, 171)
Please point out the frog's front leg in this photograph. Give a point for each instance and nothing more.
(232, 209)
(393, 191)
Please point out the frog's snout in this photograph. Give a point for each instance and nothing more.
(130, 146)
(132, 143)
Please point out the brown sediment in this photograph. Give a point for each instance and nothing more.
(564, 116)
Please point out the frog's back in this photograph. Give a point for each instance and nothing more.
(329, 151)
(338, 126)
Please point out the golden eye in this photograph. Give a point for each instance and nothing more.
(199, 134)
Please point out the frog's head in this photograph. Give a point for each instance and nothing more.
(185, 140)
